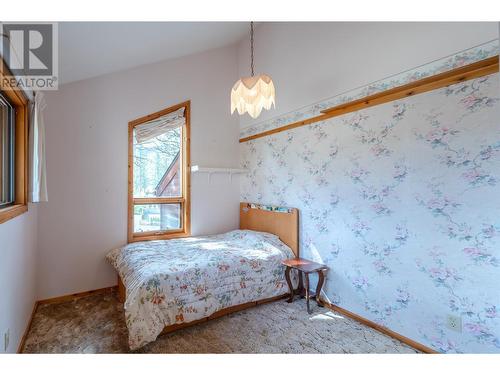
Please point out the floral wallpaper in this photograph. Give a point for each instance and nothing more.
(401, 202)
(457, 60)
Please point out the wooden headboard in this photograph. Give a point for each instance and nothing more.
(283, 222)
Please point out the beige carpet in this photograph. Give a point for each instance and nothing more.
(96, 324)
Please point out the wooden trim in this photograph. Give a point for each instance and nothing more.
(464, 73)
(160, 200)
(158, 235)
(378, 327)
(70, 297)
(12, 211)
(186, 169)
(130, 194)
(291, 126)
(20, 348)
(64, 298)
(16, 97)
(184, 201)
(21, 155)
(15, 93)
(160, 113)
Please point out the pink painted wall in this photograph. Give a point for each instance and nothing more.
(87, 162)
(17, 275)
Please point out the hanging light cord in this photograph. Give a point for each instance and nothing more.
(251, 47)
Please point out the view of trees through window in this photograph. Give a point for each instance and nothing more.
(152, 159)
(157, 174)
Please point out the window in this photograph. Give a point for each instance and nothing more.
(13, 147)
(159, 175)
(7, 134)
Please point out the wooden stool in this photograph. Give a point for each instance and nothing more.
(305, 267)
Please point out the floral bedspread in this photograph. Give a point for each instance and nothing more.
(181, 280)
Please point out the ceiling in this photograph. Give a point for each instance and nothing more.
(90, 49)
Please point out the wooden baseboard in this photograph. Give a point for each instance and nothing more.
(28, 327)
(69, 297)
(378, 327)
(64, 298)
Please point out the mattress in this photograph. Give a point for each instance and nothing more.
(181, 280)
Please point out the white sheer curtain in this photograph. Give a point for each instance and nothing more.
(156, 127)
(38, 172)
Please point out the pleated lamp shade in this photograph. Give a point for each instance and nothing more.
(252, 94)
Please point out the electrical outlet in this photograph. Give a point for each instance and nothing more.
(6, 339)
(454, 322)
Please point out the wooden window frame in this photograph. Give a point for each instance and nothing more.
(16, 97)
(184, 200)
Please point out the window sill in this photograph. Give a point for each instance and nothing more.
(11, 212)
(153, 237)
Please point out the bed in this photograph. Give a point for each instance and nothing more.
(169, 285)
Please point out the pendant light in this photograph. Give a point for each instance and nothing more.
(252, 94)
